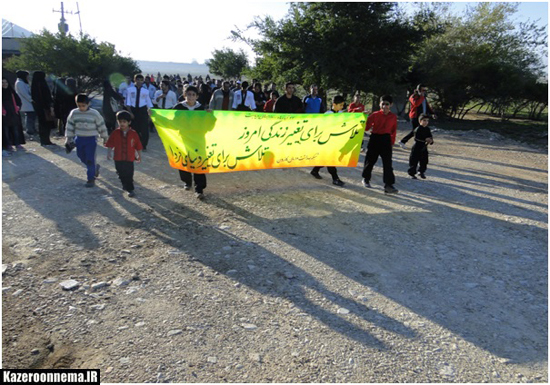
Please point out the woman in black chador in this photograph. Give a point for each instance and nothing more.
(12, 129)
(43, 106)
(111, 101)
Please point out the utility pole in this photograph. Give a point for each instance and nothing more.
(79, 20)
(62, 26)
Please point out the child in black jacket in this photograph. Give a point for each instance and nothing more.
(419, 151)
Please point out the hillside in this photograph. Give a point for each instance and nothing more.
(170, 68)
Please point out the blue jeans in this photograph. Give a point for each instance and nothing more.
(30, 122)
(85, 150)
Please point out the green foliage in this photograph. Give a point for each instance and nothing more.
(228, 63)
(344, 46)
(480, 59)
(64, 55)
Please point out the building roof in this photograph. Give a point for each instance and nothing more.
(12, 30)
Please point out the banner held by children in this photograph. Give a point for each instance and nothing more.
(224, 141)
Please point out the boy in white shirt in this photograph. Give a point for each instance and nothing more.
(139, 104)
(165, 98)
(243, 100)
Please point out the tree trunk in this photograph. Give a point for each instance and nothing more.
(465, 111)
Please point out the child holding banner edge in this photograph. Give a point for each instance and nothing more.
(190, 103)
(384, 130)
(337, 106)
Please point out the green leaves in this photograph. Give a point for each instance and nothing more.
(480, 58)
(345, 46)
(82, 58)
(228, 63)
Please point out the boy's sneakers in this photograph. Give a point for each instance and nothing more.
(20, 148)
(422, 175)
(199, 195)
(316, 175)
(365, 183)
(131, 194)
(97, 167)
(187, 187)
(90, 183)
(390, 190)
(338, 182)
(402, 145)
(413, 176)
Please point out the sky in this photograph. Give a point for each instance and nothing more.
(171, 30)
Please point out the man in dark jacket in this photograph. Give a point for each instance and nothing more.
(289, 103)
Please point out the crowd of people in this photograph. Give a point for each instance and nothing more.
(126, 115)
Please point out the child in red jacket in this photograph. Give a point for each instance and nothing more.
(127, 148)
(383, 124)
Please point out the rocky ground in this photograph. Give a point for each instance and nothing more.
(278, 277)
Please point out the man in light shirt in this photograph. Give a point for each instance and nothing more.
(124, 86)
(165, 98)
(139, 103)
(243, 100)
(152, 89)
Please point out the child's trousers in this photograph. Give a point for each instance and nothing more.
(125, 171)
(419, 154)
(200, 180)
(331, 170)
(85, 150)
(379, 146)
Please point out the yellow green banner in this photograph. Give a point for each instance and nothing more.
(224, 141)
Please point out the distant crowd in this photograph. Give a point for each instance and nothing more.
(159, 85)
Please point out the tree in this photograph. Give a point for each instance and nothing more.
(228, 63)
(66, 56)
(344, 46)
(480, 59)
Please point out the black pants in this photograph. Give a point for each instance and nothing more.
(200, 180)
(379, 145)
(125, 171)
(331, 170)
(415, 124)
(12, 135)
(5, 137)
(419, 154)
(141, 124)
(44, 130)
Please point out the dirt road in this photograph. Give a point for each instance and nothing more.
(278, 277)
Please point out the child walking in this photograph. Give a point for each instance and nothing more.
(191, 104)
(127, 148)
(337, 106)
(383, 124)
(419, 151)
(84, 124)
